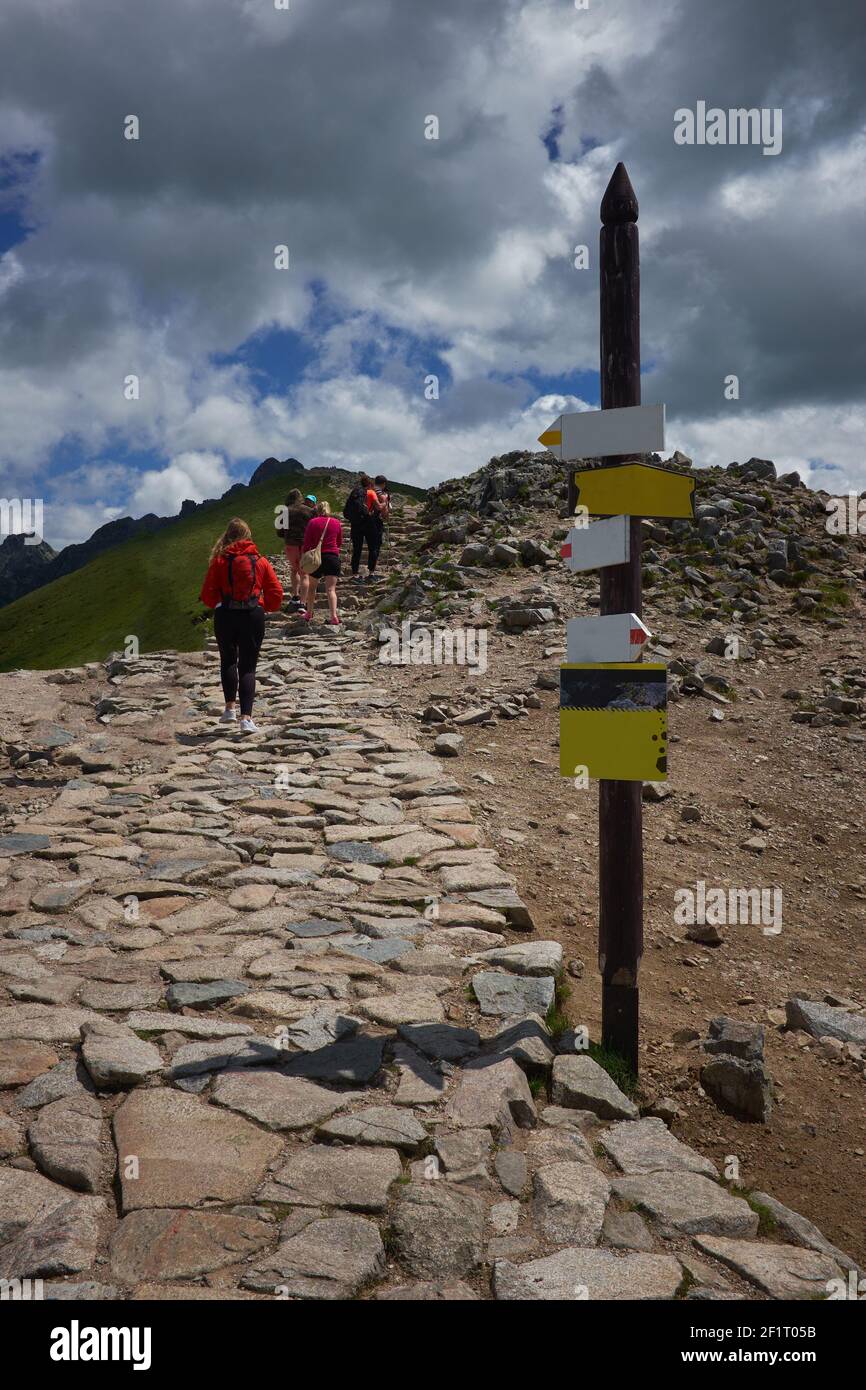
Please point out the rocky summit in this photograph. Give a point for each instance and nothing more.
(277, 1015)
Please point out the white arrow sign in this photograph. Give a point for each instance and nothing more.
(591, 434)
(617, 637)
(599, 544)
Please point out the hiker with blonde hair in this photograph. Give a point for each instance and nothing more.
(240, 586)
(320, 559)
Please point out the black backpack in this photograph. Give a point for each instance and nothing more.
(356, 505)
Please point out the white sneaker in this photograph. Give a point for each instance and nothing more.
(228, 716)
(248, 727)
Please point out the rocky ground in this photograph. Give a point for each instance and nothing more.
(276, 1021)
(766, 761)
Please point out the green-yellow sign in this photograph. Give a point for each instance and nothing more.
(613, 721)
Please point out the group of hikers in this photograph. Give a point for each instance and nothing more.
(241, 585)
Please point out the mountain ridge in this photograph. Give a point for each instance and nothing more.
(44, 564)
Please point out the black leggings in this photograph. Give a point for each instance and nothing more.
(369, 530)
(239, 633)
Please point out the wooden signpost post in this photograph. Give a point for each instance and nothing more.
(613, 719)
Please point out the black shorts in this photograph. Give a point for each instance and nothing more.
(330, 566)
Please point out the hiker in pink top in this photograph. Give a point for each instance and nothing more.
(327, 529)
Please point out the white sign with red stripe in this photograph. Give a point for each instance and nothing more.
(596, 545)
(617, 637)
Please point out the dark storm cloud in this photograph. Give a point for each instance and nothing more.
(307, 127)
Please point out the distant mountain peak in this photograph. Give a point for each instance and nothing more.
(274, 468)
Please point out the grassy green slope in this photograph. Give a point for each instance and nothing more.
(147, 587)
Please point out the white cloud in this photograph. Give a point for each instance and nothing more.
(156, 256)
(189, 475)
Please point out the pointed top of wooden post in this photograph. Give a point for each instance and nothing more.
(619, 203)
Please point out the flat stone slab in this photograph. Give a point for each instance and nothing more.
(68, 1078)
(357, 852)
(494, 1096)
(171, 1244)
(579, 1083)
(511, 1169)
(317, 1029)
(376, 1124)
(26, 1197)
(115, 1062)
(689, 1203)
(278, 1102)
(569, 1203)
(503, 901)
(469, 878)
(357, 1060)
(329, 1259)
(780, 1271)
(507, 996)
(420, 1083)
(380, 952)
(441, 1041)
(113, 997)
(43, 1022)
(60, 1241)
(409, 1006)
(464, 1155)
(439, 1230)
(322, 1175)
(824, 1021)
(527, 1042)
(22, 843)
(64, 1140)
(201, 969)
(186, 1151)
(59, 897)
(647, 1146)
(190, 995)
(21, 1061)
(596, 1275)
(526, 958)
(195, 1059)
(315, 926)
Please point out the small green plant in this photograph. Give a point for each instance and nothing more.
(616, 1067)
(767, 1223)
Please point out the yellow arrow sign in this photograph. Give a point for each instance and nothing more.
(636, 489)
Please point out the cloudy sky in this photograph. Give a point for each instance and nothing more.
(305, 126)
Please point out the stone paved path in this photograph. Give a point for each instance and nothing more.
(272, 1024)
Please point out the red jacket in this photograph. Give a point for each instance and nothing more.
(215, 586)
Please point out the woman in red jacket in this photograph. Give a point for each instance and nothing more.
(327, 529)
(241, 587)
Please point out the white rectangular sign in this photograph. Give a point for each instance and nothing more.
(616, 637)
(597, 545)
(590, 434)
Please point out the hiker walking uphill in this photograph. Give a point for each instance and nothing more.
(321, 559)
(241, 586)
(363, 511)
(290, 525)
(380, 518)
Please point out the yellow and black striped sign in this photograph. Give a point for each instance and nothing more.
(613, 721)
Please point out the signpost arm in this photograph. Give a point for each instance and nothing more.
(620, 942)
